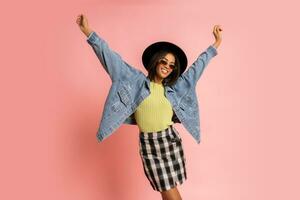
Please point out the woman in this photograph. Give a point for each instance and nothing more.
(160, 143)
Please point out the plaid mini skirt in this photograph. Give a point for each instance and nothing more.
(163, 158)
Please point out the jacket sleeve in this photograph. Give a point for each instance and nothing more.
(193, 73)
(110, 60)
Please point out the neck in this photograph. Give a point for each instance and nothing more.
(158, 80)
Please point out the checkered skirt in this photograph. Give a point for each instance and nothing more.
(163, 158)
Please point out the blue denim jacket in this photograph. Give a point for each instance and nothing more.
(131, 86)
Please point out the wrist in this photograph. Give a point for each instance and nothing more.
(87, 31)
(217, 43)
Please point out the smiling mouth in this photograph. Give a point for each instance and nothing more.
(163, 70)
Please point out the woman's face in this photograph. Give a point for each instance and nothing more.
(165, 66)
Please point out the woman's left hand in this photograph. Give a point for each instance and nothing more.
(217, 33)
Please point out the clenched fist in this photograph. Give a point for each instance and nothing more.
(83, 24)
(217, 34)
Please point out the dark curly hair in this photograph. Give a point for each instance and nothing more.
(151, 68)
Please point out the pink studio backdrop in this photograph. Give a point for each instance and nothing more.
(53, 90)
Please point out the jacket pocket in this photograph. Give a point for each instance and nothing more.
(122, 101)
(189, 105)
(125, 96)
(189, 101)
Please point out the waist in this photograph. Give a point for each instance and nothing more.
(156, 134)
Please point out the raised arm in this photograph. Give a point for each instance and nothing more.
(110, 60)
(193, 73)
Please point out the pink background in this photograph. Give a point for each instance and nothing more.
(53, 90)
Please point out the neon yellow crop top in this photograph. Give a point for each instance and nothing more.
(155, 112)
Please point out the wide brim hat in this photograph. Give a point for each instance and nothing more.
(164, 45)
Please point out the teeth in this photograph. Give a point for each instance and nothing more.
(164, 71)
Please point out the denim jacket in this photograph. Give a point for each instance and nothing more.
(131, 86)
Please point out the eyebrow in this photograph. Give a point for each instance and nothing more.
(168, 60)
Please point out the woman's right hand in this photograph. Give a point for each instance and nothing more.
(83, 24)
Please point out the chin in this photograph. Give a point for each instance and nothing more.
(163, 75)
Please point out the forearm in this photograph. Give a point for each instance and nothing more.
(112, 62)
(193, 73)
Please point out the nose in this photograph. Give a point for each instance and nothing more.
(167, 65)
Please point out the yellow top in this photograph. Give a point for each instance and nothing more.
(155, 112)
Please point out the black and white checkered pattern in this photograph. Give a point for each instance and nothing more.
(163, 158)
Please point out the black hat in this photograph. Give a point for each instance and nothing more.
(153, 48)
